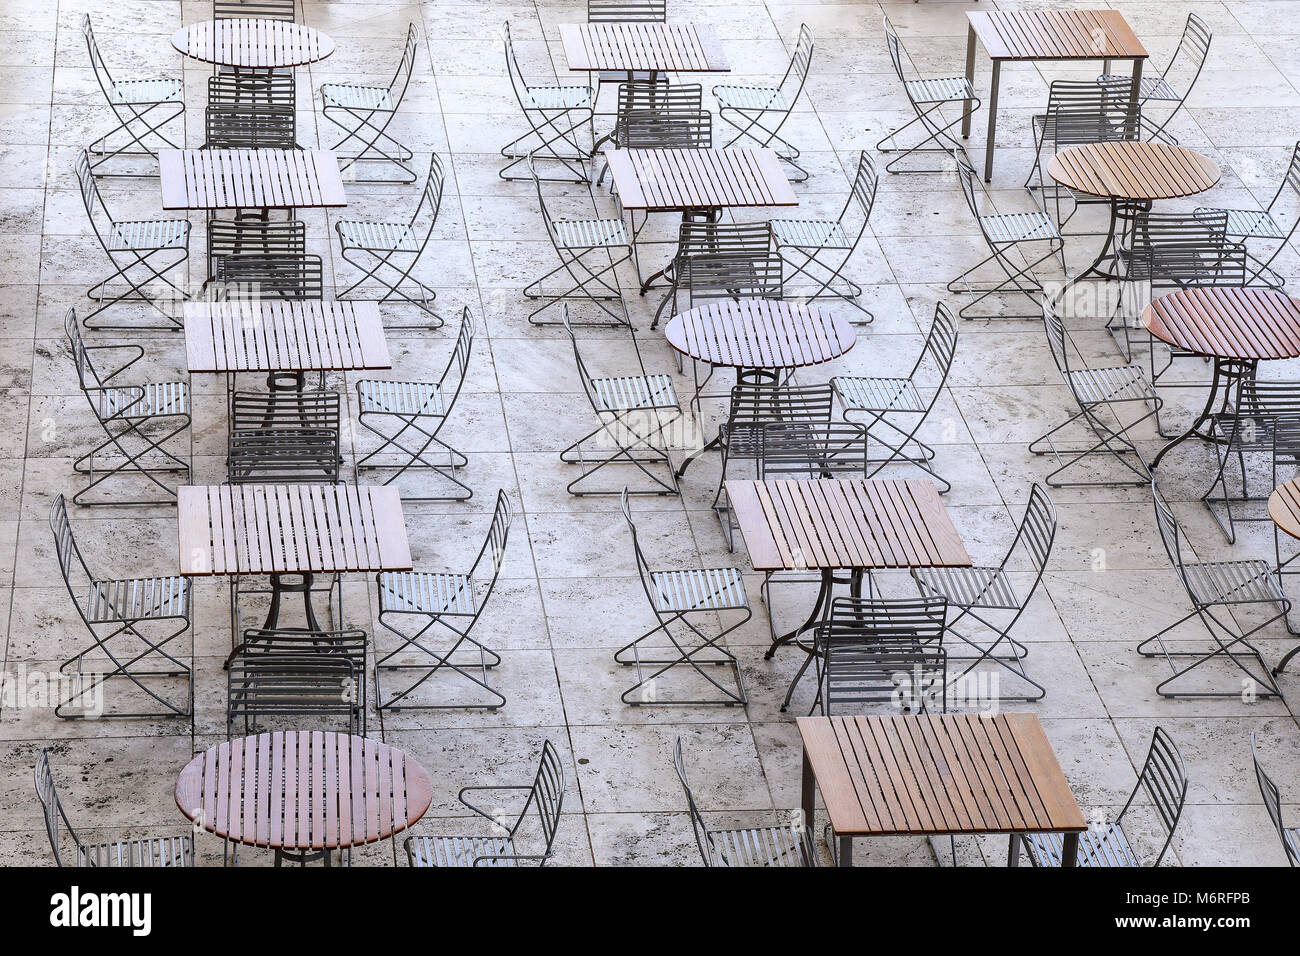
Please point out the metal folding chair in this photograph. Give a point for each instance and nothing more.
(130, 621)
(658, 115)
(1097, 392)
(283, 437)
(391, 250)
(146, 851)
(787, 845)
(279, 674)
(927, 97)
(139, 422)
(502, 847)
(634, 413)
(252, 237)
(1218, 590)
(895, 409)
(1004, 233)
(676, 597)
(758, 113)
(142, 108)
(407, 417)
(1290, 836)
(1163, 781)
(1183, 68)
(131, 246)
(1265, 225)
(265, 9)
(279, 275)
(364, 113)
(720, 260)
(982, 593)
(450, 604)
(251, 111)
(555, 116)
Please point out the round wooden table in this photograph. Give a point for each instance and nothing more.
(1131, 175)
(303, 793)
(252, 43)
(1284, 509)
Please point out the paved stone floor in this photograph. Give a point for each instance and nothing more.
(568, 594)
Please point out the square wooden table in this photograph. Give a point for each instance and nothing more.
(652, 48)
(936, 775)
(1025, 35)
(226, 179)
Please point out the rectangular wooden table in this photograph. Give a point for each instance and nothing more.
(936, 775)
(226, 179)
(642, 48)
(1026, 35)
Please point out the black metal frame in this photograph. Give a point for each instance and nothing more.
(1290, 836)
(552, 124)
(294, 673)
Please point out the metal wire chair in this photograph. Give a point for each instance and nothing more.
(758, 113)
(812, 450)
(626, 11)
(452, 602)
(275, 674)
(895, 409)
(555, 115)
(278, 275)
(720, 260)
(251, 111)
(981, 593)
(927, 97)
(1184, 67)
(545, 797)
(147, 851)
(283, 437)
(1096, 392)
(634, 413)
(142, 108)
(754, 846)
(364, 114)
(651, 115)
(131, 246)
(407, 417)
(122, 617)
(1290, 836)
(382, 250)
(266, 9)
(1217, 589)
(1163, 781)
(255, 237)
(676, 597)
(139, 421)
(1263, 224)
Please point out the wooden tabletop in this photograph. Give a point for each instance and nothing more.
(1133, 170)
(303, 790)
(1226, 322)
(759, 333)
(252, 43)
(664, 180)
(938, 773)
(194, 179)
(1056, 35)
(290, 529)
(284, 336)
(1284, 507)
(655, 47)
(848, 523)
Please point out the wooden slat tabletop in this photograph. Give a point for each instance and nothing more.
(1284, 507)
(657, 47)
(759, 333)
(664, 180)
(290, 529)
(284, 336)
(1056, 35)
(1133, 170)
(303, 790)
(937, 774)
(850, 523)
(252, 43)
(194, 179)
(1225, 322)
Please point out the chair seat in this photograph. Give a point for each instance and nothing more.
(590, 233)
(1232, 582)
(159, 851)
(1121, 383)
(1249, 223)
(377, 236)
(1020, 227)
(142, 92)
(138, 599)
(878, 394)
(557, 98)
(715, 589)
(1102, 847)
(1150, 88)
(400, 398)
(634, 392)
(427, 592)
(346, 96)
(945, 89)
(158, 399)
(751, 98)
(147, 234)
(970, 587)
(810, 233)
(459, 850)
(761, 846)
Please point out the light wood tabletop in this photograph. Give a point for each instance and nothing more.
(1227, 322)
(252, 43)
(204, 179)
(1133, 170)
(1284, 507)
(643, 47)
(284, 336)
(1056, 35)
(667, 180)
(759, 333)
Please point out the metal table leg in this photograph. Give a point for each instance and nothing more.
(808, 797)
(970, 78)
(1226, 379)
(993, 122)
(1070, 849)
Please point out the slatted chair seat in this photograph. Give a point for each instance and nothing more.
(460, 851)
(138, 599)
(558, 98)
(1151, 87)
(751, 98)
(870, 394)
(1120, 383)
(811, 233)
(163, 851)
(1020, 227)
(139, 92)
(1233, 582)
(945, 89)
(149, 234)
(427, 592)
(400, 398)
(346, 95)
(145, 401)
(590, 233)
(970, 587)
(1108, 847)
(763, 846)
(1248, 223)
(633, 392)
(710, 589)
(378, 236)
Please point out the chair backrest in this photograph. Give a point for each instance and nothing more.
(821, 450)
(65, 548)
(1291, 178)
(796, 74)
(546, 797)
(1084, 111)
(1273, 804)
(969, 187)
(494, 545)
(51, 807)
(91, 198)
(1056, 340)
(239, 237)
(265, 9)
(642, 566)
(250, 126)
(430, 199)
(97, 64)
(866, 182)
(317, 674)
(896, 52)
(1189, 55)
(1037, 530)
(280, 276)
(284, 411)
(666, 129)
(701, 829)
(757, 405)
(1171, 534)
(397, 86)
(940, 347)
(1184, 249)
(1164, 780)
(658, 96)
(1268, 400)
(727, 261)
(453, 376)
(584, 376)
(918, 620)
(517, 79)
(80, 355)
(627, 11)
